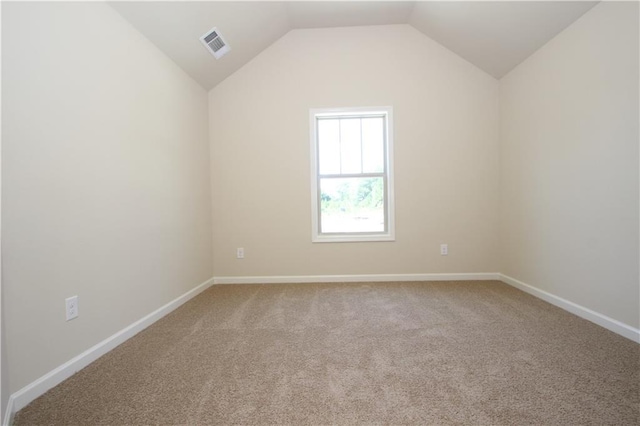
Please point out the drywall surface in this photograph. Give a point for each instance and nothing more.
(4, 376)
(4, 368)
(446, 154)
(569, 165)
(4, 365)
(105, 180)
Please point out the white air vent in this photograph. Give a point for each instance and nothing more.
(214, 43)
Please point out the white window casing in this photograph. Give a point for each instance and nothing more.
(343, 163)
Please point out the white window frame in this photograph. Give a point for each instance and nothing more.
(389, 233)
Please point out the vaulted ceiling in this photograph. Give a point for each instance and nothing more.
(493, 35)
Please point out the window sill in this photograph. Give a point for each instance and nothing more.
(352, 238)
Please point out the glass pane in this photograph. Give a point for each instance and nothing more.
(350, 145)
(329, 146)
(373, 145)
(351, 205)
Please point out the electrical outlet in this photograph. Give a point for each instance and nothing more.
(72, 307)
(444, 249)
(240, 253)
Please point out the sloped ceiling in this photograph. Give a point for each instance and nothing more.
(493, 35)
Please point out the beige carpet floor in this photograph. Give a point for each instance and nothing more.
(479, 353)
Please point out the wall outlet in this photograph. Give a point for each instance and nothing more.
(71, 304)
(444, 249)
(240, 253)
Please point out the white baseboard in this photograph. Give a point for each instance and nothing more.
(24, 396)
(285, 279)
(586, 313)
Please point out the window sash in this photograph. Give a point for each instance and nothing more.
(339, 118)
(385, 209)
(387, 234)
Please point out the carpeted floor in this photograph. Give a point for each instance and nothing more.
(478, 353)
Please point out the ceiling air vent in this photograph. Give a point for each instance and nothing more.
(214, 43)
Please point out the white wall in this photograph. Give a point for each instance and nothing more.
(105, 180)
(4, 382)
(569, 165)
(446, 154)
(4, 370)
(4, 376)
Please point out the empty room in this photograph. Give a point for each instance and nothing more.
(317, 212)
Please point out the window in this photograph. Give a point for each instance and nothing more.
(351, 174)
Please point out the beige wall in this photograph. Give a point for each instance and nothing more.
(446, 154)
(105, 180)
(4, 370)
(569, 174)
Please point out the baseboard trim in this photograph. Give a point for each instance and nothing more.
(24, 396)
(585, 313)
(286, 279)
